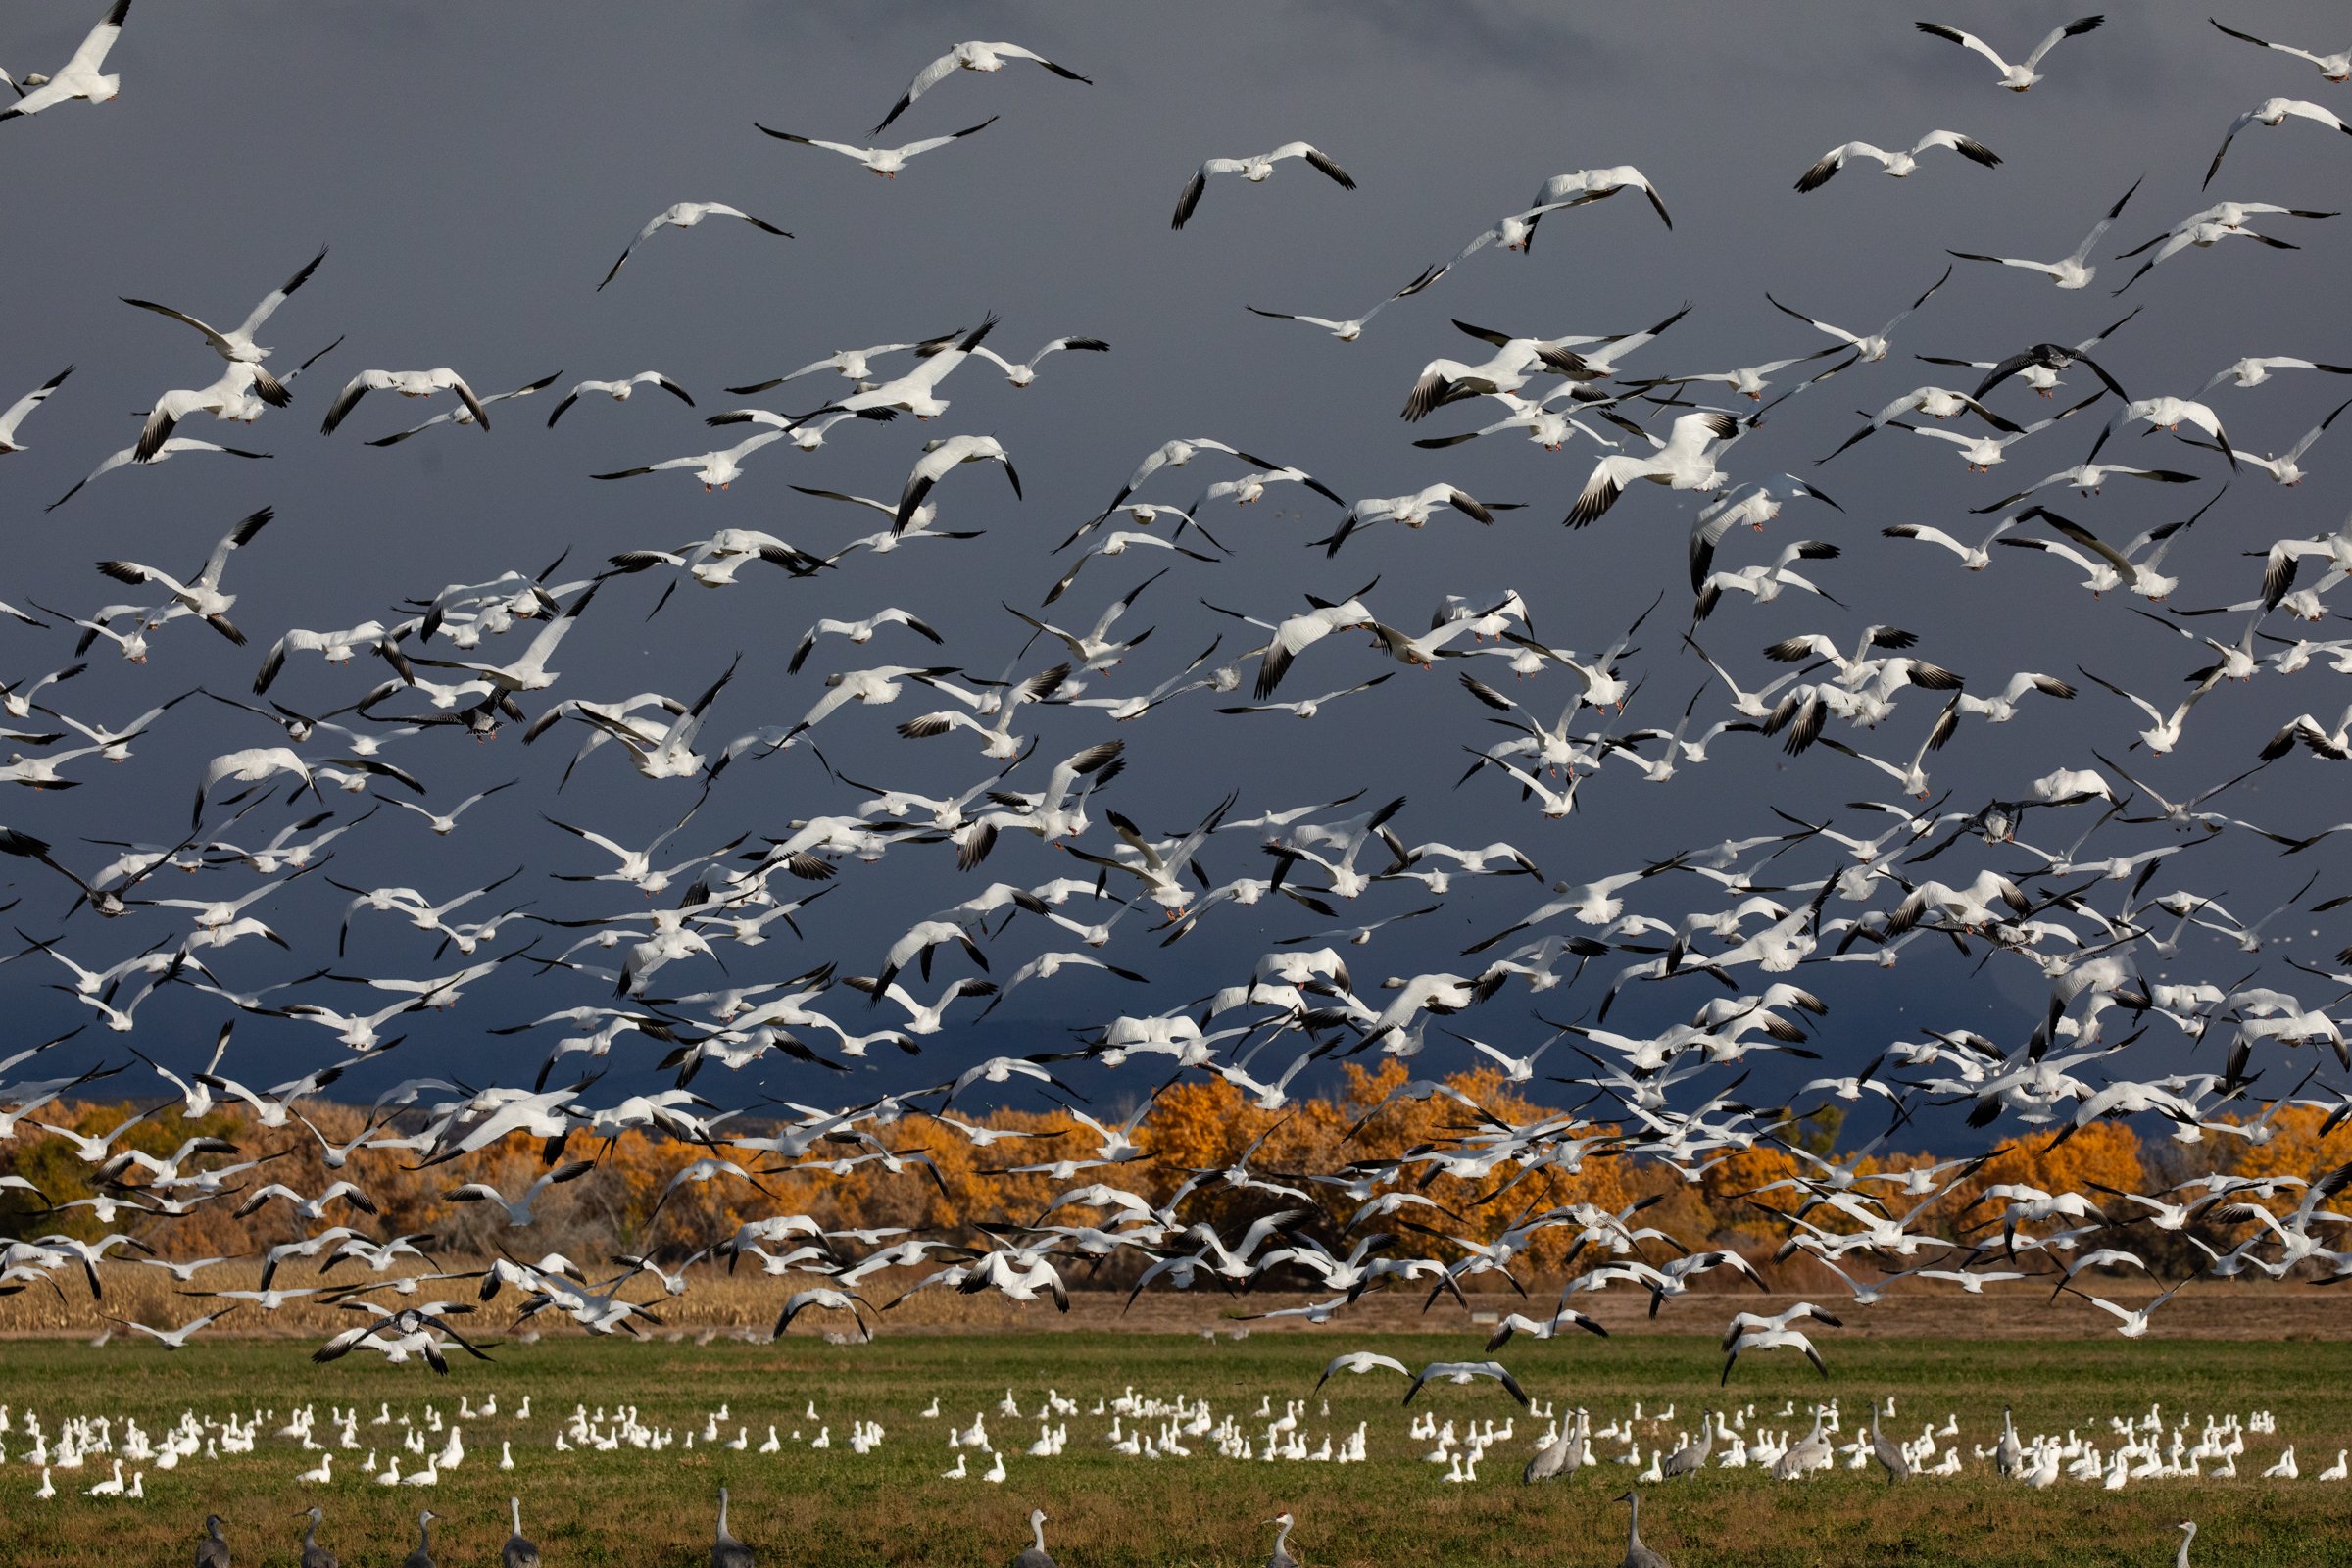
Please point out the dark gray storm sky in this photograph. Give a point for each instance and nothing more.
(476, 169)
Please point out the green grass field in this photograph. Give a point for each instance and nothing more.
(1108, 1510)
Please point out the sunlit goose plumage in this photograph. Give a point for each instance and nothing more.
(883, 160)
(2071, 272)
(173, 448)
(1900, 162)
(2275, 112)
(1256, 168)
(1685, 461)
(2336, 66)
(940, 459)
(618, 391)
(236, 395)
(237, 345)
(409, 384)
(14, 415)
(685, 215)
(716, 469)
(201, 595)
(971, 56)
(2019, 78)
(1025, 373)
(80, 75)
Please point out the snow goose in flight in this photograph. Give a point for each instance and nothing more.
(2227, 215)
(409, 384)
(857, 631)
(2020, 77)
(1976, 558)
(1750, 381)
(2170, 413)
(618, 391)
(2200, 236)
(2282, 562)
(1545, 427)
(201, 595)
(1765, 582)
(917, 391)
(1024, 373)
(2038, 366)
(169, 449)
(1308, 708)
(1937, 403)
(942, 458)
(1685, 461)
(1256, 169)
(2071, 272)
(2253, 371)
(444, 824)
(1516, 362)
(2336, 66)
(2285, 467)
(1755, 504)
(464, 416)
(1118, 545)
(530, 672)
(14, 415)
(1513, 232)
(1988, 452)
(337, 647)
(685, 215)
(715, 469)
(851, 364)
(1174, 455)
(972, 55)
(79, 77)
(252, 765)
(883, 160)
(236, 395)
(2090, 478)
(1094, 650)
(2274, 112)
(1296, 634)
(237, 345)
(1899, 162)
(2164, 730)
(2113, 568)
(1584, 185)
(1873, 347)
(1412, 510)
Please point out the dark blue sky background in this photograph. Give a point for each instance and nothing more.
(476, 170)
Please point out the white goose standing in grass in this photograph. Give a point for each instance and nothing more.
(80, 75)
(1256, 168)
(883, 160)
(2020, 77)
(686, 215)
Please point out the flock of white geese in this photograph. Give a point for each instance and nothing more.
(669, 952)
(1645, 1448)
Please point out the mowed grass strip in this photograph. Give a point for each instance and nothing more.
(807, 1507)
